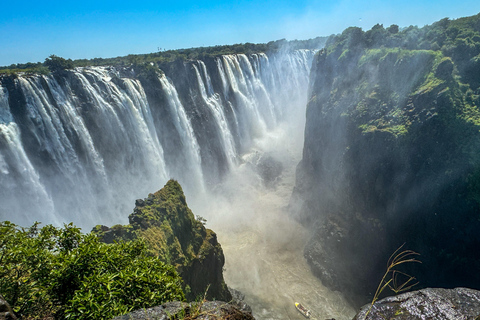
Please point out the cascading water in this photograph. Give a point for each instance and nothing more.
(17, 172)
(212, 100)
(184, 127)
(84, 145)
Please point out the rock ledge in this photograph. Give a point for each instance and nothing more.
(426, 304)
(211, 310)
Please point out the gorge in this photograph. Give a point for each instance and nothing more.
(377, 134)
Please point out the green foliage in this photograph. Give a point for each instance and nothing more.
(24, 255)
(58, 64)
(167, 225)
(62, 273)
(173, 234)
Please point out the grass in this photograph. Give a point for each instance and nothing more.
(394, 279)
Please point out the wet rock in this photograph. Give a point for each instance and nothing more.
(238, 300)
(430, 303)
(194, 310)
(270, 170)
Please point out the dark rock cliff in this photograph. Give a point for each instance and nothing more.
(172, 233)
(391, 156)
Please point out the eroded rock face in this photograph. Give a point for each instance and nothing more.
(204, 310)
(430, 303)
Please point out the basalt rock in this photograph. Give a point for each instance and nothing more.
(426, 304)
(391, 157)
(179, 310)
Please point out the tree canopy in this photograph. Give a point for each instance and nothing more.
(58, 64)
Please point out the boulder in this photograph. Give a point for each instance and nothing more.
(194, 310)
(425, 304)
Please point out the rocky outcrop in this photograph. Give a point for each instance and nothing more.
(180, 310)
(438, 304)
(391, 157)
(173, 234)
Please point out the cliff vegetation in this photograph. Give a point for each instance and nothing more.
(61, 273)
(162, 56)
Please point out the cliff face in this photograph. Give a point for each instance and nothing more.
(391, 156)
(172, 233)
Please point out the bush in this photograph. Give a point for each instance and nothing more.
(62, 273)
(58, 64)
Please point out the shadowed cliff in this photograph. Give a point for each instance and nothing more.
(391, 155)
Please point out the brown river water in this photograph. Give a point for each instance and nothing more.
(263, 248)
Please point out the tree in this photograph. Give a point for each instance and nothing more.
(58, 64)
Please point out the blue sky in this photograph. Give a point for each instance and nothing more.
(30, 31)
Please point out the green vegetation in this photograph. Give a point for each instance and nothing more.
(61, 273)
(391, 66)
(64, 274)
(58, 64)
(402, 108)
(146, 61)
(167, 225)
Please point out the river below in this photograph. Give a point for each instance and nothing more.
(263, 248)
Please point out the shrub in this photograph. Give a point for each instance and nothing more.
(62, 273)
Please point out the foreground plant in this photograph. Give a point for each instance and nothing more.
(61, 273)
(395, 279)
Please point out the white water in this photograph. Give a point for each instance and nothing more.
(263, 245)
(184, 127)
(17, 172)
(212, 100)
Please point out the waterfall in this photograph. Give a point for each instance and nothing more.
(83, 146)
(19, 177)
(184, 127)
(212, 100)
